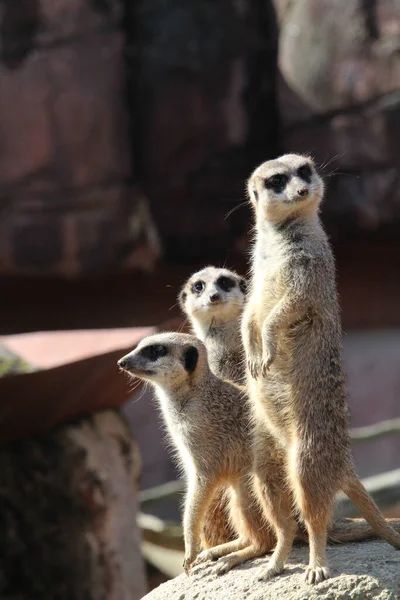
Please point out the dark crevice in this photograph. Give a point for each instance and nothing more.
(132, 87)
(371, 19)
(260, 96)
(19, 25)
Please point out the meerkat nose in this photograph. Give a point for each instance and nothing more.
(303, 191)
(122, 363)
(215, 297)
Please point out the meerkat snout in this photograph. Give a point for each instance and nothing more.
(215, 297)
(303, 192)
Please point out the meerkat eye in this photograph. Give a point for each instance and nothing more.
(198, 287)
(305, 172)
(226, 283)
(277, 182)
(154, 351)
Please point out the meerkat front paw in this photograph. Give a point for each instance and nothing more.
(268, 357)
(267, 361)
(254, 362)
(254, 367)
(316, 574)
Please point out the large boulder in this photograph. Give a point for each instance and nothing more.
(368, 571)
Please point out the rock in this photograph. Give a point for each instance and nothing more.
(68, 513)
(339, 99)
(201, 82)
(65, 159)
(368, 571)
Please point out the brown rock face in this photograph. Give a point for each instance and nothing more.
(65, 203)
(68, 513)
(339, 100)
(203, 99)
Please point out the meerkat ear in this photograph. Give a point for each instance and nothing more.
(252, 192)
(190, 357)
(243, 285)
(181, 299)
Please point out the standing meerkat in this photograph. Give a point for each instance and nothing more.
(292, 336)
(213, 300)
(202, 414)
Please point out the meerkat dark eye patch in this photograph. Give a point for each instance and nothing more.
(198, 287)
(243, 285)
(305, 172)
(190, 358)
(277, 182)
(154, 352)
(226, 283)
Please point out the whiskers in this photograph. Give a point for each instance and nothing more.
(235, 208)
(327, 162)
(145, 385)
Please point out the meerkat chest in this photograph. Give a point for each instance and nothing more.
(180, 429)
(268, 284)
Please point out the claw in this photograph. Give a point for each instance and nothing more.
(265, 574)
(188, 563)
(316, 575)
(224, 565)
(253, 368)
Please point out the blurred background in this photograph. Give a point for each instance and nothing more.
(127, 131)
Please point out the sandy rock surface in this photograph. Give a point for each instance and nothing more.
(367, 571)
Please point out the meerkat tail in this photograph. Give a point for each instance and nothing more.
(356, 530)
(369, 510)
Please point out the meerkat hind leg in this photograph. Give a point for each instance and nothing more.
(198, 498)
(278, 511)
(316, 508)
(246, 513)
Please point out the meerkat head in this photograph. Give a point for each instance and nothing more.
(212, 295)
(284, 187)
(167, 359)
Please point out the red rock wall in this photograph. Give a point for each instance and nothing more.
(66, 205)
(184, 99)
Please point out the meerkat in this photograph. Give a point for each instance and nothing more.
(292, 336)
(213, 300)
(208, 421)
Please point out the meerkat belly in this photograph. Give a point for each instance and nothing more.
(271, 405)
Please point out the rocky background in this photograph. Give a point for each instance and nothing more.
(107, 103)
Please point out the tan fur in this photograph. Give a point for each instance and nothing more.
(201, 411)
(217, 324)
(292, 336)
(224, 357)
